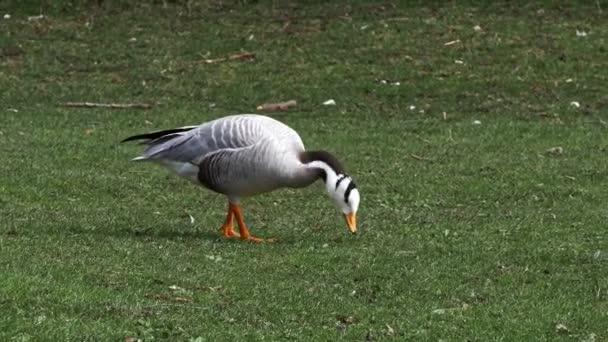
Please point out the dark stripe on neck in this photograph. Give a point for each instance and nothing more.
(350, 188)
(323, 175)
(340, 181)
(326, 157)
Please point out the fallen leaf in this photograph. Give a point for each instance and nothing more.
(213, 257)
(132, 339)
(555, 151)
(575, 104)
(345, 319)
(40, 319)
(330, 102)
(561, 328)
(389, 330)
(176, 288)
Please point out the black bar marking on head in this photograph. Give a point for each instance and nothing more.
(340, 181)
(350, 188)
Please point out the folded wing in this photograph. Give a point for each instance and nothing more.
(192, 144)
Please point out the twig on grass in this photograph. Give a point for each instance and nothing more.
(107, 105)
(189, 306)
(277, 106)
(169, 298)
(239, 56)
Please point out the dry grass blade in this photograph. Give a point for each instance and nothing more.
(417, 157)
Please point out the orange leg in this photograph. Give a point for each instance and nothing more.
(236, 210)
(228, 229)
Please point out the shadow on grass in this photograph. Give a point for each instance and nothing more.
(172, 233)
(142, 234)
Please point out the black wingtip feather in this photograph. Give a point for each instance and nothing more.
(157, 134)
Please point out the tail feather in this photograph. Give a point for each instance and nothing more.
(156, 141)
(158, 134)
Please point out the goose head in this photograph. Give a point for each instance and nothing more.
(345, 195)
(340, 187)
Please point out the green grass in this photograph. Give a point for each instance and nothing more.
(467, 231)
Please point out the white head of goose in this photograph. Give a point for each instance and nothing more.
(245, 155)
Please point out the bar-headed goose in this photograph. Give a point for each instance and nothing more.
(244, 155)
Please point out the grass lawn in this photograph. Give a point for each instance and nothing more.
(483, 172)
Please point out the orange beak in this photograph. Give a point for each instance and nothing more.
(351, 222)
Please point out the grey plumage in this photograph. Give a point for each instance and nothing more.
(243, 155)
(239, 155)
